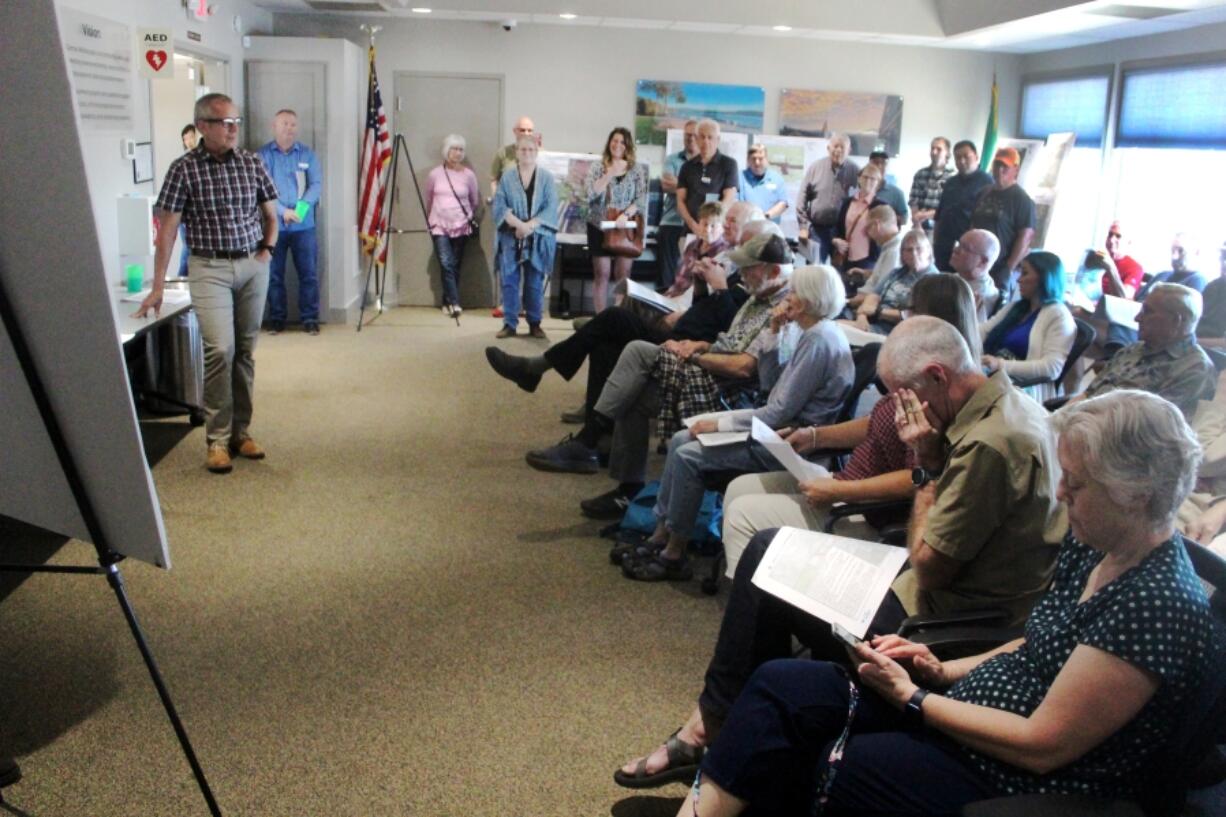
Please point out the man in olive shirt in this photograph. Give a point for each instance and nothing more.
(985, 524)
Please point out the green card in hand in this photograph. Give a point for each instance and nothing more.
(302, 208)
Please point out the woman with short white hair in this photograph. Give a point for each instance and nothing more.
(808, 371)
(452, 196)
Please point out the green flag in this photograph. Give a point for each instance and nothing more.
(989, 133)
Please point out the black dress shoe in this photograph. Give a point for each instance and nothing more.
(567, 457)
(512, 368)
(10, 772)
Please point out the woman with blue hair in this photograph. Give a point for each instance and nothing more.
(1032, 338)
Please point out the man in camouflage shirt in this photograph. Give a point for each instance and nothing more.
(1166, 360)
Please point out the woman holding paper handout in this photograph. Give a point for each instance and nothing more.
(614, 183)
(811, 372)
(880, 465)
(1109, 668)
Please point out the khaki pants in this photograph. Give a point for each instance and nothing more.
(228, 297)
(757, 502)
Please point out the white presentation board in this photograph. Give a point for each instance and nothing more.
(51, 267)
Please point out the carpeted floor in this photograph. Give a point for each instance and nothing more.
(391, 615)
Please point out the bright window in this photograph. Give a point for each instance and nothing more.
(1077, 104)
(1173, 107)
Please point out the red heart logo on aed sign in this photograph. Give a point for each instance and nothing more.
(156, 59)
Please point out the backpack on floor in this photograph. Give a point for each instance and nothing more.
(640, 517)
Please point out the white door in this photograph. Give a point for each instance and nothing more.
(428, 107)
(299, 86)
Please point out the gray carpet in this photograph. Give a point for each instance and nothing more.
(391, 615)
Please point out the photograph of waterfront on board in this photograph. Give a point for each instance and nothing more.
(661, 105)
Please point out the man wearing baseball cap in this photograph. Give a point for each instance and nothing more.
(1006, 211)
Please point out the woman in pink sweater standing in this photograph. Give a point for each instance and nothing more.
(452, 196)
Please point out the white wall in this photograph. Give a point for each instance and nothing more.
(578, 82)
(108, 174)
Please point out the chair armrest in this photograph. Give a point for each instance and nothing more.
(988, 617)
(847, 509)
(1052, 805)
(1055, 403)
(960, 634)
(1026, 382)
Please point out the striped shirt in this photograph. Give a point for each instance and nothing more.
(927, 186)
(219, 198)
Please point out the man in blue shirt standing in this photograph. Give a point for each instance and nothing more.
(762, 185)
(295, 171)
(672, 228)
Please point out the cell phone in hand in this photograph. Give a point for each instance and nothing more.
(846, 636)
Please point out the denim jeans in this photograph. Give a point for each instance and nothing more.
(185, 253)
(534, 284)
(302, 244)
(681, 486)
(668, 253)
(450, 252)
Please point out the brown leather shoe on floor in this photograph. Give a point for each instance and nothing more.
(218, 460)
(537, 332)
(505, 332)
(248, 448)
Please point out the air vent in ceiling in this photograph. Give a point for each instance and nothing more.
(1128, 12)
(341, 6)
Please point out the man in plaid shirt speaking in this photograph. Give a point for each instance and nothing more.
(227, 201)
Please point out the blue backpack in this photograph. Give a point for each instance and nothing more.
(641, 518)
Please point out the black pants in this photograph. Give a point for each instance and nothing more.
(668, 253)
(600, 341)
(758, 627)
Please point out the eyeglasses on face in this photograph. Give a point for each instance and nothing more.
(226, 121)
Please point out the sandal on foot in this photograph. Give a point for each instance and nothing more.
(633, 550)
(656, 568)
(683, 760)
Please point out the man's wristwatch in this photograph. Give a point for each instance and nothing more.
(913, 712)
(268, 247)
(921, 476)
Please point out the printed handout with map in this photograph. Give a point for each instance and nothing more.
(839, 580)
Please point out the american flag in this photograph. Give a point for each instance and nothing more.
(376, 153)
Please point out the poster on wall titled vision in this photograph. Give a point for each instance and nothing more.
(871, 121)
(660, 105)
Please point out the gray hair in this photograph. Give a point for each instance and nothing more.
(204, 105)
(707, 125)
(840, 137)
(453, 140)
(920, 239)
(752, 211)
(985, 244)
(919, 342)
(1184, 302)
(1137, 446)
(821, 288)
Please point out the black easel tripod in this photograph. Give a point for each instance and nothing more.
(108, 559)
(380, 271)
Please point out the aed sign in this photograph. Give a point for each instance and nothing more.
(155, 57)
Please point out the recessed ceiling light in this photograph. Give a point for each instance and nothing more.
(568, 16)
(420, 10)
(782, 28)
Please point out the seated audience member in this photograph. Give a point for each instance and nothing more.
(883, 231)
(601, 340)
(762, 185)
(851, 245)
(646, 374)
(707, 243)
(1166, 360)
(1183, 253)
(973, 255)
(1085, 703)
(1033, 337)
(928, 183)
(880, 465)
(809, 375)
(1203, 514)
(827, 182)
(1122, 275)
(889, 192)
(1211, 330)
(886, 300)
(985, 528)
(953, 216)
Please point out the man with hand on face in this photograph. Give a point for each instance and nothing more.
(1006, 211)
(709, 176)
(762, 185)
(229, 204)
(928, 184)
(295, 171)
(827, 182)
(958, 197)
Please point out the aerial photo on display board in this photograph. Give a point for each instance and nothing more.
(871, 121)
(660, 105)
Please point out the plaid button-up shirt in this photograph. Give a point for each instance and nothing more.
(927, 186)
(219, 198)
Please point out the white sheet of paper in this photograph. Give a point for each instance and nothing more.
(1074, 296)
(834, 578)
(713, 439)
(649, 296)
(1121, 311)
(169, 296)
(797, 465)
(857, 336)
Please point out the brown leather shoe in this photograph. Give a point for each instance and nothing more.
(505, 332)
(537, 332)
(247, 448)
(218, 460)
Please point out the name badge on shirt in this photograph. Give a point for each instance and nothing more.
(705, 180)
(771, 186)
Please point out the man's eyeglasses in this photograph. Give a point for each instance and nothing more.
(228, 121)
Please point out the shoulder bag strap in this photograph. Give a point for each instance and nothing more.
(460, 201)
